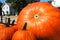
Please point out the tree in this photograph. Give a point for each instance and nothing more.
(8, 1)
(17, 4)
(29, 1)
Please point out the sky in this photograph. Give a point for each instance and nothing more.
(40, 0)
(2, 1)
(43, 0)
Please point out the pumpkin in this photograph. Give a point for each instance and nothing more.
(6, 33)
(2, 25)
(23, 35)
(42, 19)
(56, 36)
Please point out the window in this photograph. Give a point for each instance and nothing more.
(7, 12)
(3, 8)
(3, 13)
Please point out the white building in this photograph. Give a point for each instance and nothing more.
(56, 3)
(7, 9)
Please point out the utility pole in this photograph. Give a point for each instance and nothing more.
(1, 14)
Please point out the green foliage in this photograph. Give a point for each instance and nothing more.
(28, 1)
(17, 4)
(0, 3)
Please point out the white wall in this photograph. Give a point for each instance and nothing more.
(6, 8)
(56, 3)
(57, 0)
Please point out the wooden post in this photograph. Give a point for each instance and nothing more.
(8, 21)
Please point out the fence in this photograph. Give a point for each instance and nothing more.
(11, 18)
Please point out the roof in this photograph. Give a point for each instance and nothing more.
(6, 3)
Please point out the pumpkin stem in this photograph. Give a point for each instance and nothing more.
(24, 27)
(8, 21)
(12, 22)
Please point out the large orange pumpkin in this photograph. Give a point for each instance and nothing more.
(42, 19)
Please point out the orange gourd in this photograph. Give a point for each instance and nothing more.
(42, 19)
(2, 25)
(7, 32)
(23, 35)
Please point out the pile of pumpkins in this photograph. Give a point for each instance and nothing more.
(37, 21)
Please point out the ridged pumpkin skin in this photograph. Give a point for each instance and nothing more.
(7, 33)
(42, 19)
(2, 25)
(23, 35)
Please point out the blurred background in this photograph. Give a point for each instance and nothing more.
(9, 9)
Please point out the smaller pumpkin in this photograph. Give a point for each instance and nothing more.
(23, 35)
(7, 32)
(2, 25)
